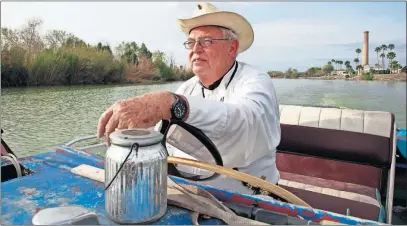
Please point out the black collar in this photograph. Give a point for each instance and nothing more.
(217, 83)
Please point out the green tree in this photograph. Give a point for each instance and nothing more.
(340, 64)
(383, 56)
(367, 76)
(358, 51)
(391, 47)
(160, 61)
(292, 73)
(128, 51)
(334, 62)
(144, 50)
(391, 56)
(328, 68)
(356, 60)
(358, 68)
(377, 50)
(103, 48)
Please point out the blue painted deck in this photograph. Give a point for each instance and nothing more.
(54, 185)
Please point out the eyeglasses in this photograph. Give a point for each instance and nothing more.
(202, 42)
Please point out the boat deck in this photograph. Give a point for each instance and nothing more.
(52, 185)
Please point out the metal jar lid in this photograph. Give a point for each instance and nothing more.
(127, 137)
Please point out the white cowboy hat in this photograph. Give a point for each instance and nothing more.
(207, 14)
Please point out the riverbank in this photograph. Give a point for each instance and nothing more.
(118, 84)
(402, 77)
(391, 77)
(376, 77)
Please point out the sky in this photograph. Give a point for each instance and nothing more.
(291, 34)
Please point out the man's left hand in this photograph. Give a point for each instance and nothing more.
(138, 112)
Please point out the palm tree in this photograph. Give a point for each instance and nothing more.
(382, 56)
(384, 48)
(358, 51)
(334, 62)
(391, 56)
(378, 49)
(395, 65)
(356, 60)
(348, 66)
(340, 64)
(391, 47)
(358, 68)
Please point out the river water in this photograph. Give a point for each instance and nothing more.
(36, 120)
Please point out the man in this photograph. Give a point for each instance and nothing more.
(232, 103)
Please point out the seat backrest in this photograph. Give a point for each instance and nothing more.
(345, 145)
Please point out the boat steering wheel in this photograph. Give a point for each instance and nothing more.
(218, 168)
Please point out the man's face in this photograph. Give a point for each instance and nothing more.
(209, 60)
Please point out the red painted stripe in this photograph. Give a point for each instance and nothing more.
(3, 150)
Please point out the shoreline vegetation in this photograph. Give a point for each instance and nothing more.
(392, 71)
(61, 58)
(402, 76)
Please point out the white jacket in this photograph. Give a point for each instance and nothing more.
(241, 117)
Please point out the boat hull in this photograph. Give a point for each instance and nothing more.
(402, 143)
(52, 185)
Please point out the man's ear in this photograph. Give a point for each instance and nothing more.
(234, 48)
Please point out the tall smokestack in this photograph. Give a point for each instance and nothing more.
(365, 58)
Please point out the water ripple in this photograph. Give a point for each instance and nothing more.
(36, 120)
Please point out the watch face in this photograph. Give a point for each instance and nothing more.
(179, 111)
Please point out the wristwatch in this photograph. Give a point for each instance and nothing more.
(178, 108)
